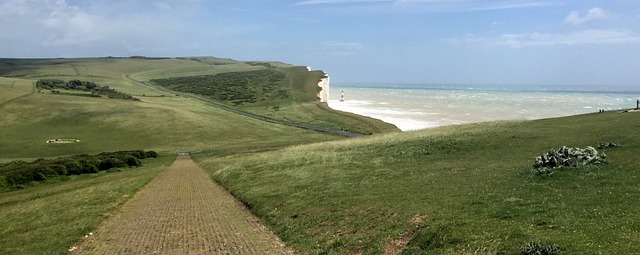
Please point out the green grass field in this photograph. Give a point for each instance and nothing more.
(13, 89)
(454, 190)
(162, 122)
(465, 189)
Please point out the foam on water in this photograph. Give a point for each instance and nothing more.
(418, 108)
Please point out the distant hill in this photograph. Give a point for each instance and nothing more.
(29, 119)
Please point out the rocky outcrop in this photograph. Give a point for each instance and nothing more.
(567, 157)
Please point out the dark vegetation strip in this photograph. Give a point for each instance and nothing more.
(18, 174)
(235, 87)
(255, 116)
(84, 86)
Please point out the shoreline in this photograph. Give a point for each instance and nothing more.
(414, 109)
(402, 123)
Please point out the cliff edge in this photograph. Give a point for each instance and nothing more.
(324, 85)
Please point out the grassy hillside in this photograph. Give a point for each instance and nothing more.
(300, 84)
(302, 106)
(455, 190)
(162, 121)
(165, 124)
(49, 217)
(278, 92)
(13, 89)
(465, 189)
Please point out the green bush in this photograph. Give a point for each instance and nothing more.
(17, 174)
(35, 173)
(39, 176)
(87, 86)
(132, 161)
(138, 154)
(18, 177)
(151, 154)
(73, 167)
(59, 169)
(109, 163)
(4, 185)
(89, 166)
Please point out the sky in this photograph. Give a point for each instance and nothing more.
(507, 42)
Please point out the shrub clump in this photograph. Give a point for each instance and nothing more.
(85, 86)
(535, 248)
(17, 174)
(567, 157)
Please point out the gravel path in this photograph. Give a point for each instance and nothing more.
(182, 211)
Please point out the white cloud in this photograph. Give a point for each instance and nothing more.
(585, 37)
(514, 5)
(574, 18)
(50, 28)
(441, 5)
(320, 2)
(12, 7)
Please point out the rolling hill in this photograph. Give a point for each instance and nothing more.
(467, 189)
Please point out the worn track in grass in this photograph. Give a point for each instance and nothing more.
(182, 211)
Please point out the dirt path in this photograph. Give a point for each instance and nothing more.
(182, 211)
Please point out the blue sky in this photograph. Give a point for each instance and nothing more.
(508, 42)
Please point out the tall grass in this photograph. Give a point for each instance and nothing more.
(456, 190)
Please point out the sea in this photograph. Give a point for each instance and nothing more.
(412, 107)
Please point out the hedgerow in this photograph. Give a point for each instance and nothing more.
(17, 174)
(86, 86)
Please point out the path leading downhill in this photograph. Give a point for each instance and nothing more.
(182, 211)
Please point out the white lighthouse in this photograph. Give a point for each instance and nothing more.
(342, 96)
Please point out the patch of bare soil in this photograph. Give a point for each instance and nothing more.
(182, 211)
(398, 245)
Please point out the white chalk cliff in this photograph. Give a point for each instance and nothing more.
(324, 93)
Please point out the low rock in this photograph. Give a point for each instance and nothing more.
(567, 157)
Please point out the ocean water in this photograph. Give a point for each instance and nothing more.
(416, 107)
